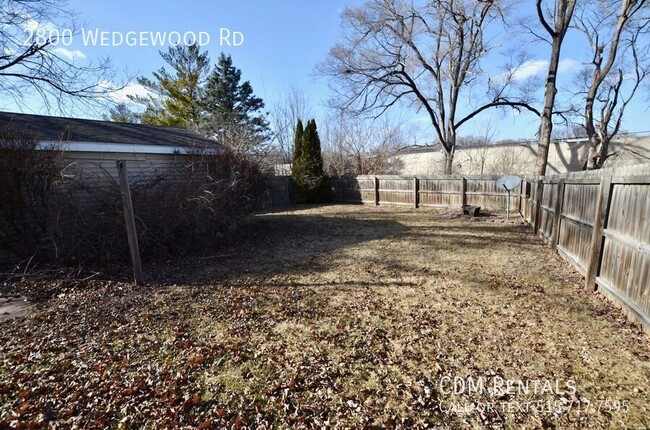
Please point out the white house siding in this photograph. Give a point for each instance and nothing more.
(520, 159)
(102, 165)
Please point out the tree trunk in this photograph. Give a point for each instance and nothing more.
(546, 123)
(449, 162)
(563, 16)
(598, 152)
(602, 153)
(592, 134)
(592, 156)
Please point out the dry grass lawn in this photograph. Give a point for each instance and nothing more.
(335, 316)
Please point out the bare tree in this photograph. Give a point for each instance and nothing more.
(555, 22)
(510, 160)
(291, 106)
(619, 49)
(481, 154)
(477, 148)
(358, 146)
(569, 131)
(243, 142)
(427, 55)
(34, 59)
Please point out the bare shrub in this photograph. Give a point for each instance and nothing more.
(359, 146)
(191, 207)
(50, 213)
(200, 207)
(27, 177)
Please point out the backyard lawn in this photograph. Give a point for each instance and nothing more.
(333, 316)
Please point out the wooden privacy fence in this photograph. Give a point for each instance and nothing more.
(600, 222)
(278, 189)
(430, 191)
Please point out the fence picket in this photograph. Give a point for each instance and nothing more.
(606, 238)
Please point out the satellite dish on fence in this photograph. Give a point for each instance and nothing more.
(508, 183)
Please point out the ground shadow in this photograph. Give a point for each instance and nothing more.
(290, 243)
(273, 243)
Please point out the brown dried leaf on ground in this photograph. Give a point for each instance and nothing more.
(335, 317)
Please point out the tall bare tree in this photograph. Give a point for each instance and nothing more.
(555, 21)
(617, 36)
(34, 59)
(425, 54)
(478, 147)
(291, 106)
(361, 146)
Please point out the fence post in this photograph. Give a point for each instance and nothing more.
(539, 196)
(602, 208)
(376, 191)
(557, 211)
(521, 193)
(131, 231)
(416, 192)
(463, 200)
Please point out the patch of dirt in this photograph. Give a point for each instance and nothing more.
(13, 306)
(335, 317)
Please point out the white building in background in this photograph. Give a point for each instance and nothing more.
(519, 158)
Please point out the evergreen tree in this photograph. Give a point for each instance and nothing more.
(177, 96)
(233, 113)
(297, 167)
(122, 113)
(308, 164)
(312, 149)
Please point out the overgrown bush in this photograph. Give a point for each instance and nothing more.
(73, 217)
(199, 207)
(27, 177)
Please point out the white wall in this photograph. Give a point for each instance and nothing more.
(520, 158)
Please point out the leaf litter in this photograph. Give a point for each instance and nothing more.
(330, 317)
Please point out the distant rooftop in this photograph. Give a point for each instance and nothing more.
(59, 129)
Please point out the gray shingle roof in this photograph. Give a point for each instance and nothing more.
(52, 128)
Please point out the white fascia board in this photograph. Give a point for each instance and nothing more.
(112, 147)
(575, 140)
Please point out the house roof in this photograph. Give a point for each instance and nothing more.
(58, 129)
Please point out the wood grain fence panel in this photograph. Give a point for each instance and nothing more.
(397, 191)
(573, 242)
(443, 192)
(366, 186)
(580, 202)
(525, 201)
(353, 190)
(532, 202)
(483, 192)
(576, 223)
(277, 191)
(625, 264)
(547, 212)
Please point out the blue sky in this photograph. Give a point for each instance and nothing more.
(283, 42)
